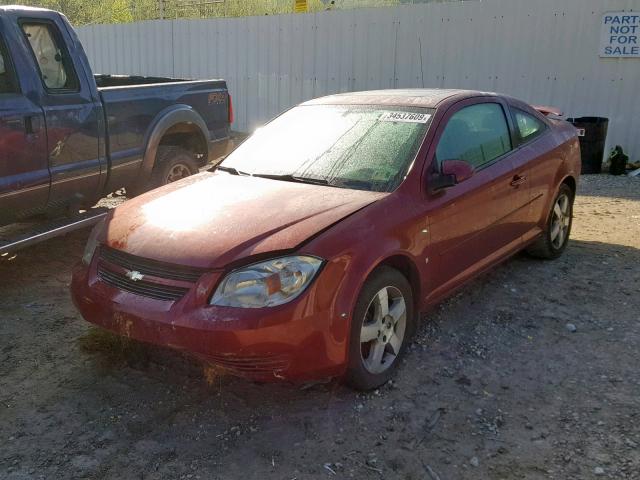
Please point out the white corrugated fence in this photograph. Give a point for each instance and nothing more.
(542, 51)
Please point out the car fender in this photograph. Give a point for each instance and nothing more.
(166, 119)
(355, 253)
(365, 266)
(354, 270)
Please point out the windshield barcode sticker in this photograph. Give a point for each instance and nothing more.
(405, 117)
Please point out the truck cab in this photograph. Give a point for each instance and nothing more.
(69, 137)
(52, 146)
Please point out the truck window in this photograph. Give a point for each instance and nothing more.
(54, 62)
(7, 79)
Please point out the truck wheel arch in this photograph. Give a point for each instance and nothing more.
(176, 116)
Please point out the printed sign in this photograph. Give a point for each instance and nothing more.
(620, 34)
(301, 6)
(406, 117)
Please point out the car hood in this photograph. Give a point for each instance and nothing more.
(213, 219)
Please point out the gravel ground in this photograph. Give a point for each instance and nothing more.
(530, 372)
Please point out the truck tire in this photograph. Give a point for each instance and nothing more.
(172, 164)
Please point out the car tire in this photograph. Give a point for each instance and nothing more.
(555, 236)
(172, 164)
(377, 340)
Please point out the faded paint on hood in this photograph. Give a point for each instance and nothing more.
(213, 219)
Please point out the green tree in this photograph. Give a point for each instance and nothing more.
(82, 12)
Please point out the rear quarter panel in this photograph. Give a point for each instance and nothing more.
(558, 158)
(131, 110)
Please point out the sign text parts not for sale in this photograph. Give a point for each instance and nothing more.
(620, 34)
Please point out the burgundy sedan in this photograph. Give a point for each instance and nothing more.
(311, 250)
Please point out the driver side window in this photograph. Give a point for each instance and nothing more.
(54, 63)
(477, 134)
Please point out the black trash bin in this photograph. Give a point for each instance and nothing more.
(592, 142)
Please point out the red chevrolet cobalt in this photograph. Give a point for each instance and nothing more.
(309, 252)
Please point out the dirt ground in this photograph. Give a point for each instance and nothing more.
(496, 385)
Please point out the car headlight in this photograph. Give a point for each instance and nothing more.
(92, 243)
(267, 284)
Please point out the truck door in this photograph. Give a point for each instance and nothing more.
(72, 114)
(24, 172)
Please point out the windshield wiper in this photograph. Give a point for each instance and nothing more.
(284, 177)
(358, 184)
(231, 170)
(293, 178)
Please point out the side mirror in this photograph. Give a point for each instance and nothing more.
(452, 173)
(460, 169)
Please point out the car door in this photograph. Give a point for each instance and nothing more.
(467, 221)
(514, 193)
(24, 172)
(535, 159)
(71, 113)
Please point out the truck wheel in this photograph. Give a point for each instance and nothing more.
(172, 164)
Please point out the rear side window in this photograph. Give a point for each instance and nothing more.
(53, 60)
(7, 79)
(477, 134)
(528, 126)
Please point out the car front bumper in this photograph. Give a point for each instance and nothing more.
(302, 340)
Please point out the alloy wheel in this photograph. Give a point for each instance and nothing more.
(383, 330)
(560, 221)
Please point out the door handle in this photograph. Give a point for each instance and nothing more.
(13, 122)
(518, 180)
(28, 125)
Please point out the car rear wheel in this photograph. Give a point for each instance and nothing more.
(381, 327)
(556, 235)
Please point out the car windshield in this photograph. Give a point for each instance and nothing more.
(359, 147)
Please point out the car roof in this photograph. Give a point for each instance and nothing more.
(411, 97)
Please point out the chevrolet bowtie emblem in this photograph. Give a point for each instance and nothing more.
(134, 275)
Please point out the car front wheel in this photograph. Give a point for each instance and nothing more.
(381, 327)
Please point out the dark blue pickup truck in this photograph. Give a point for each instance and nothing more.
(68, 137)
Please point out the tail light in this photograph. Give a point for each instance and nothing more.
(230, 113)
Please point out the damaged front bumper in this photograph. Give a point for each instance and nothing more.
(303, 340)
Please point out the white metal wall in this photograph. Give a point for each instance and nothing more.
(543, 51)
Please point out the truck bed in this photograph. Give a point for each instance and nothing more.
(106, 80)
(131, 103)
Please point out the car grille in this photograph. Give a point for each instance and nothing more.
(140, 287)
(147, 266)
(267, 365)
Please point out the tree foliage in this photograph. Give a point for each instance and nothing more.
(82, 12)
